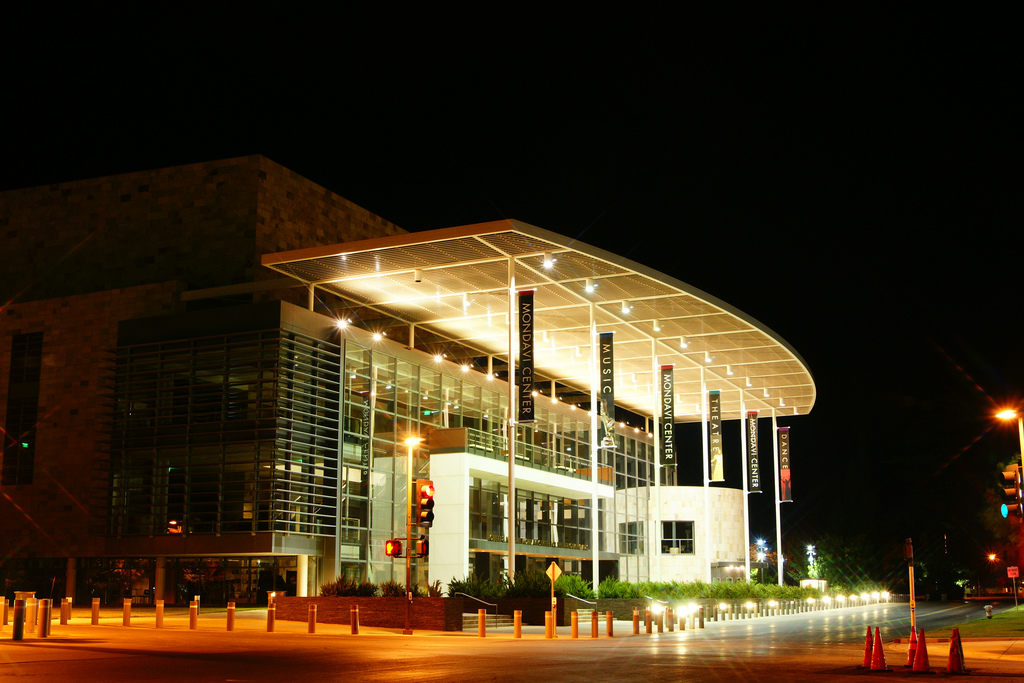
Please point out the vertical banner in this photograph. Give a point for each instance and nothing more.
(668, 415)
(785, 485)
(526, 378)
(715, 435)
(753, 466)
(606, 380)
(365, 429)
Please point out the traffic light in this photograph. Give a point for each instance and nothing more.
(1010, 481)
(422, 547)
(424, 503)
(393, 547)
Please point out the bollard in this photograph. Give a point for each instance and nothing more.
(661, 621)
(593, 624)
(648, 625)
(701, 616)
(682, 621)
(193, 615)
(574, 624)
(95, 611)
(126, 612)
(311, 617)
(547, 625)
(5, 610)
(19, 620)
(159, 613)
(636, 621)
(670, 618)
(271, 614)
(44, 617)
(517, 623)
(196, 598)
(231, 616)
(65, 611)
(31, 604)
(610, 624)
(481, 623)
(353, 619)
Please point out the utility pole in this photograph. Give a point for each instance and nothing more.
(908, 553)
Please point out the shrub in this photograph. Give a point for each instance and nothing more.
(530, 584)
(392, 589)
(343, 586)
(476, 587)
(570, 584)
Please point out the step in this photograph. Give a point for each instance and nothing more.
(470, 621)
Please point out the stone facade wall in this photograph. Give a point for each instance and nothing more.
(62, 512)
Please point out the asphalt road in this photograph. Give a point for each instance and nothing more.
(816, 646)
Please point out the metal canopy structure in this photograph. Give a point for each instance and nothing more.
(454, 283)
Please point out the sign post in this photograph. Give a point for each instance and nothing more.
(553, 573)
(1013, 573)
(908, 554)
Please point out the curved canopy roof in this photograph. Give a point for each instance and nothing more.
(455, 283)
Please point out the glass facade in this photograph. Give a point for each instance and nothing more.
(280, 432)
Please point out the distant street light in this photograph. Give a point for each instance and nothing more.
(1010, 414)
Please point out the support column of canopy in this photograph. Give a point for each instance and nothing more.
(510, 431)
(778, 499)
(655, 413)
(595, 445)
(707, 473)
(746, 484)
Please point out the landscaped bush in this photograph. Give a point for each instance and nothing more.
(570, 584)
(615, 589)
(530, 584)
(476, 587)
(345, 587)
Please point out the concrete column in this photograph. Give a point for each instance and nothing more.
(160, 578)
(302, 576)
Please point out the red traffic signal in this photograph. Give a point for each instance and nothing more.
(393, 547)
(424, 503)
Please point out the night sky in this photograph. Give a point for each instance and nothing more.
(851, 181)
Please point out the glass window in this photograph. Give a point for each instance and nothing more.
(677, 538)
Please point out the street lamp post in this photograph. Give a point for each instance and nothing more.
(411, 442)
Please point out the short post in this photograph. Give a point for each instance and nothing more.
(574, 624)
(19, 620)
(648, 626)
(159, 613)
(682, 620)
(231, 616)
(517, 623)
(353, 619)
(610, 624)
(700, 612)
(64, 611)
(481, 623)
(31, 614)
(193, 615)
(310, 617)
(271, 614)
(636, 621)
(5, 610)
(661, 621)
(670, 618)
(95, 611)
(126, 612)
(196, 598)
(593, 624)
(547, 625)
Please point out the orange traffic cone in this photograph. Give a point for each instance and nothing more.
(866, 664)
(955, 665)
(913, 648)
(921, 659)
(878, 657)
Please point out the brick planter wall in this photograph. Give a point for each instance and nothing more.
(430, 614)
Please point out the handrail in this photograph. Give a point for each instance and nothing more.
(489, 604)
(664, 602)
(570, 595)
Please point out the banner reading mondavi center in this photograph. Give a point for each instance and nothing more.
(715, 435)
(668, 415)
(753, 466)
(526, 379)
